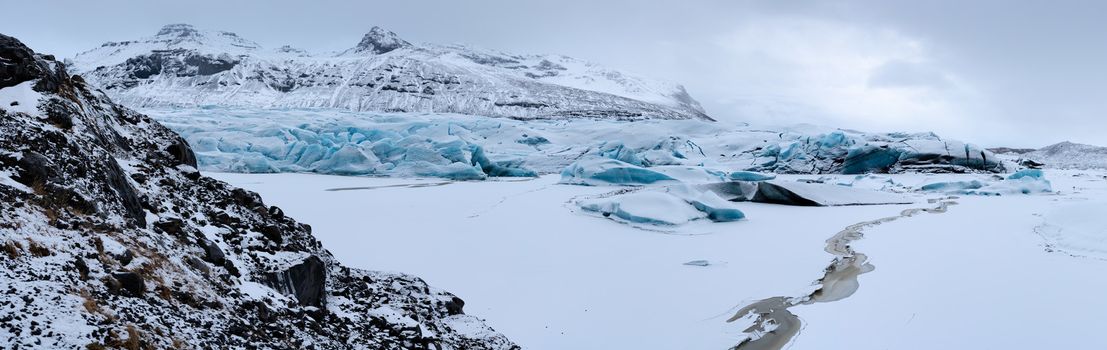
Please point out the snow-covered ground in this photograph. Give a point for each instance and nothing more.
(552, 276)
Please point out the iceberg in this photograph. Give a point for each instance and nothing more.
(952, 186)
(1028, 181)
(750, 176)
(602, 171)
(645, 207)
(672, 205)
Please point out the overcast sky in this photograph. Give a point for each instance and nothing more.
(1016, 73)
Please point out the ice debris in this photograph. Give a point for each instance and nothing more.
(1028, 181)
(674, 205)
(603, 171)
(750, 176)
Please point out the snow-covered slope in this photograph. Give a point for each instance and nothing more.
(183, 66)
(1068, 155)
(110, 238)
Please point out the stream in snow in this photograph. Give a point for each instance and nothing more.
(775, 326)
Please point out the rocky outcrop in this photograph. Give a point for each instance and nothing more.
(306, 281)
(110, 238)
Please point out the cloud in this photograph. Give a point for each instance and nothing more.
(903, 74)
(845, 75)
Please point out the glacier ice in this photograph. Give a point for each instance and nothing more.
(285, 141)
(474, 147)
(750, 176)
(716, 208)
(603, 171)
(671, 205)
(952, 186)
(1031, 173)
(645, 207)
(1028, 181)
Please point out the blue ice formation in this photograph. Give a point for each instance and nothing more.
(717, 209)
(674, 206)
(344, 148)
(1032, 173)
(952, 186)
(1028, 181)
(750, 176)
(870, 159)
(858, 153)
(647, 207)
(603, 171)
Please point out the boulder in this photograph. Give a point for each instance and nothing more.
(306, 281)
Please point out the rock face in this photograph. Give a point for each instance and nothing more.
(306, 281)
(110, 238)
(182, 66)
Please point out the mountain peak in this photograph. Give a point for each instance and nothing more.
(178, 30)
(378, 41)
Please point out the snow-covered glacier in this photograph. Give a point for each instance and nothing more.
(182, 66)
(457, 146)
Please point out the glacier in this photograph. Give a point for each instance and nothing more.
(466, 147)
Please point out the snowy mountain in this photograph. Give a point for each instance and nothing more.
(112, 239)
(1068, 155)
(182, 66)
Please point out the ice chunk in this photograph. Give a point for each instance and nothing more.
(599, 171)
(706, 201)
(750, 176)
(1028, 181)
(1033, 173)
(870, 159)
(819, 194)
(716, 208)
(701, 263)
(691, 174)
(953, 186)
(644, 207)
(1022, 185)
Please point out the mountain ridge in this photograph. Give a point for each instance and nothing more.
(182, 66)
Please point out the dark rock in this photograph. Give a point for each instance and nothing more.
(305, 281)
(129, 284)
(768, 192)
(197, 265)
(34, 168)
(128, 197)
(181, 153)
(19, 63)
(276, 212)
(172, 226)
(125, 258)
(82, 268)
(212, 253)
(272, 232)
(455, 306)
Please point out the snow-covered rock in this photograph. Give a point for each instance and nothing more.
(112, 239)
(182, 66)
(1068, 155)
